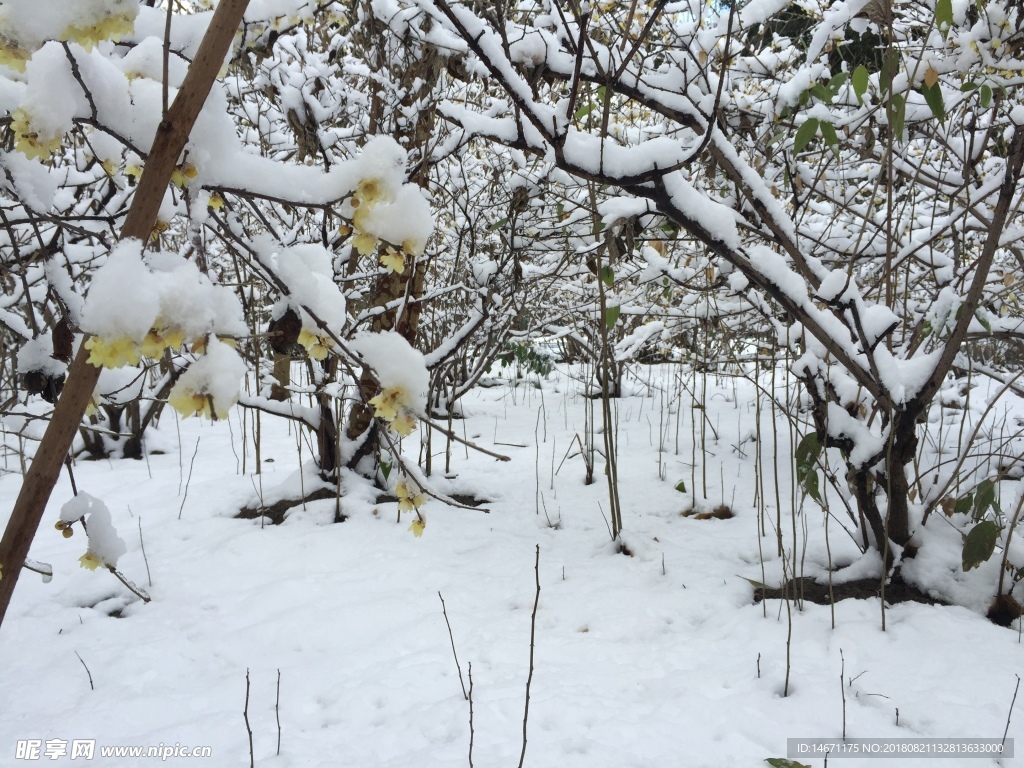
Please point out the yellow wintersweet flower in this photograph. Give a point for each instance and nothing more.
(112, 353)
(417, 527)
(181, 176)
(393, 261)
(412, 247)
(111, 28)
(199, 345)
(133, 172)
(215, 202)
(408, 501)
(369, 193)
(28, 141)
(157, 341)
(90, 561)
(404, 423)
(317, 347)
(389, 402)
(189, 402)
(13, 55)
(365, 243)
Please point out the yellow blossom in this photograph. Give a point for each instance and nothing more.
(344, 230)
(417, 527)
(199, 345)
(393, 261)
(412, 247)
(133, 172)
(90, 561)
(369, 193)
(13, 55)
(188, 402)
(110, 28)
(408, 500)
(404, 423)
(158, 229)
(389, 402)
(317, 347)
(365, 243)
(28, 141)
(157, 341)
(360, 217)
(215, 202)
(181, 175)
(112, 353)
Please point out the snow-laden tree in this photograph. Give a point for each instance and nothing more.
(850, 169)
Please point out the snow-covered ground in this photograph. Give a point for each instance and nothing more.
(660, 658)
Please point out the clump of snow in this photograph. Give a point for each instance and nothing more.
(37, 355)
(308, 271)
(124, 297)
(396, 364)
(211, 382)
(190, 301)
(105, 546)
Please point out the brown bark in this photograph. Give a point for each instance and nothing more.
(168, 144)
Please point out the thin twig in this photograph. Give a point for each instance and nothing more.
(452, 638)
(187, 482)
(137, 590)
(470, 697)
(533, 636)
(93, 687)
(142, 545)
(277, 712)
(1008, 714)
(245, 714)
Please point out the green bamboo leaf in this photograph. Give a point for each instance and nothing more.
(899, 116)
(986, 96)
(836, 83)
(985, 498)
(781, 762)
(860, 82)
(806, 456)
(933, 95)
(980, 544)
(828, 133)
(607, 275)
(944, 14)
(583, 111)
(611, 315)
(969, 86)
(805, 133)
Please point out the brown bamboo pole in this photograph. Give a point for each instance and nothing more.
(168, 144)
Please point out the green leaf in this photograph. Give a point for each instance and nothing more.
(385, 468)
(933, 96)
(899, 116)
(828, 133)
(607, 275)
(806, 456)
(497, 225)
(964, 504)
(944, 14)
(611, 316)
(986, 96)
(890, 66)
(860, 82)
(984, 323)
(821, 93)
(805, 133)
(969, 86)
(836, 83)
(980, 544)
(985, 498)
(681, 486)
(781, 762)
(583, 111)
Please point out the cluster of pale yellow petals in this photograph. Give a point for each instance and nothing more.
(183, 174)
(90, 561)
(121, 351)
(111, 28)
(190, 402)
(393, 261)
(392, 405)
(410, 500)
(317, 347)
(367, 195)
(13, 55)
(28, 140)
